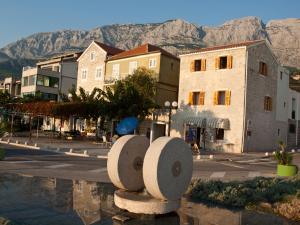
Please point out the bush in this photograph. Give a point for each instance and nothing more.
(244, 193)
(2, 153)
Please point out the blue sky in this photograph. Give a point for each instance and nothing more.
(20, 18)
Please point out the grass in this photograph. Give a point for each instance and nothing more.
(243, 194)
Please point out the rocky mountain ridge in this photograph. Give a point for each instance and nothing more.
(173, 35)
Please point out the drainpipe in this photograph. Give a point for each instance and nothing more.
(244, 134)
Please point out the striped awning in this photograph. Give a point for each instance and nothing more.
(218, 123)
(199, 121)
(208, 122)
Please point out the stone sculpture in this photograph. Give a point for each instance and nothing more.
(164, 169)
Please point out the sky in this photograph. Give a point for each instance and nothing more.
(21, 18)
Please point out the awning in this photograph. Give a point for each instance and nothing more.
(218, 123)
(208, 122)
(199, 121)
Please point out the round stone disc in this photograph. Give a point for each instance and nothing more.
(138, 202)
(168, 167)
(125, 162)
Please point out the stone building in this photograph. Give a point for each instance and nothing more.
(228, 98)
(11, 85)
(91, 65)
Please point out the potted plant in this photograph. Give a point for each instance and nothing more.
(284, 159)
(2, 154)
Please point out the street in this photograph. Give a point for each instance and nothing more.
(51, 164)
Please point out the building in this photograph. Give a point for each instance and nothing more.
(11, 85)
(164, 64)
(91, 65)
(229, 98)
(51, 77)
(166, 68)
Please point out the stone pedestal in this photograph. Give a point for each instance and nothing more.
(143, 203)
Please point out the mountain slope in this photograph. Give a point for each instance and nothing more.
(173, 35)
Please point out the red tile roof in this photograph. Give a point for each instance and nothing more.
(142, 50)
(213, 48)
(109, 49)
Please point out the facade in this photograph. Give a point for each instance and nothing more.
(51, 77)
(91, 65)
(164, 64)
(228, 98)
(166, 68)
(11, 85)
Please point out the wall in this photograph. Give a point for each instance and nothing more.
(264, 127)
(68, 76)
(210, 81)
(282, 98)
(84, 62)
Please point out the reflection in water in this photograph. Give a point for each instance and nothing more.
(38, 201)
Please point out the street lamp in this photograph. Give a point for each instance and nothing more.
(170, 106)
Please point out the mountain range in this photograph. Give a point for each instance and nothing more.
(175, 36)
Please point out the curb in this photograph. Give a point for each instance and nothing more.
(46, 149)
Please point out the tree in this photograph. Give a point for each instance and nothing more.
(132, 96)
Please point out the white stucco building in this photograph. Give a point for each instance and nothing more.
(232, 98)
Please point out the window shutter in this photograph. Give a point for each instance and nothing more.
(229, 62)
(227, 97)
(201, 98)
(216, 98)
(190, 102)
(203, 64)
(192, 66)
(217, 63)
(270, 104)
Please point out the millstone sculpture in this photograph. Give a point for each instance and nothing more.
(125, 162)
(164, 169)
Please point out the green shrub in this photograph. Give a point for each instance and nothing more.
(2, 154)
(244, 193)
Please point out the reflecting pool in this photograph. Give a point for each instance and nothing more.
(26, 200)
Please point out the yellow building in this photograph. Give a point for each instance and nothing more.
(164, 64)
(166, 68)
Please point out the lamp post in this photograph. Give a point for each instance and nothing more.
(170, 106)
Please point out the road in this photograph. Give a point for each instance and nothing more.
(51, 164)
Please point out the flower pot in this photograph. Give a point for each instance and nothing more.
(287, 170)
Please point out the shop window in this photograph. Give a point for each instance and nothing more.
(219, 134)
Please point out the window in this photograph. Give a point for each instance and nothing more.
(172, 66)
(25, 81)
(115, 70)
(84, 74)
(268, 103)
(280, 75)
(293, 108)
(263, 68)
(284, 104)
(196, 98)
(278, 132)
(219, 134)
(93, 56)
(132, 67)
(152, 63)
(198, 65)
(223, 62)
(292, 128)
(47, 81)
(98, 73)
(31, 80)
(222, 97)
